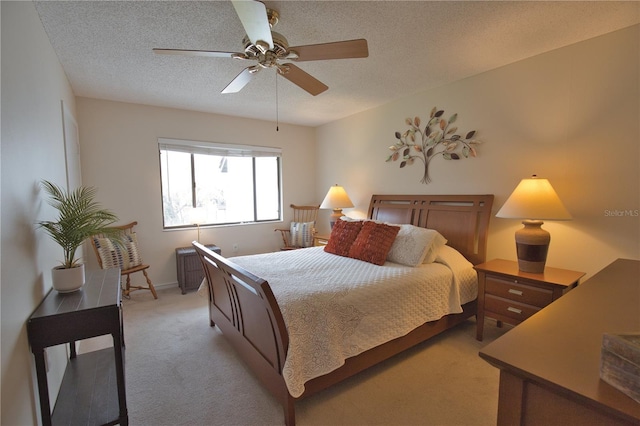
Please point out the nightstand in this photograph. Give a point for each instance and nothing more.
(509, 295)
(320, 240)
(189, 267)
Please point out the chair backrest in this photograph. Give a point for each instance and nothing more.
(302, 228)
(305, 213)
(111, 255)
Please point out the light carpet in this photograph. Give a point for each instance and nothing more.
(180, 371)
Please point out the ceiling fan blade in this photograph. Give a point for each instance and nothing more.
(241, 80)
(337, 50)
(208, 53)
(301, 78)
(253, 15)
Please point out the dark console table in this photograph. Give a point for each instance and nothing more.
(93, 389)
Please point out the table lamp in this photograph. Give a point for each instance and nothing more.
(198, 216)
(336, 199)
(533, 200)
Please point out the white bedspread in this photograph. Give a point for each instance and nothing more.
(336, 307)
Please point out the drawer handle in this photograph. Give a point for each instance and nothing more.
(514, 310)
(516, 292)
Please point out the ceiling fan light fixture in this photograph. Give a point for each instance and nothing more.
(280, 46)
(268, 48)
(273, 17)
(262, 46)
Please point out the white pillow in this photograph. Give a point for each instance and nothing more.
(349, 219)
(436, 244)
(453, 258)
(413, 245)
(301, 234)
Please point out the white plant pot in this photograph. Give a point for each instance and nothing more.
(67, 280)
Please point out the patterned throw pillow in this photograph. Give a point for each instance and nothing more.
(373, 242)
(114, 256)
(342, 237)
(301, 234)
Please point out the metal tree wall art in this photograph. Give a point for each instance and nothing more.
(438, 138)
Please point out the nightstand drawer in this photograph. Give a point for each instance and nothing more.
(509, 308)
(511, 289)
(508, 294)
(320, 240)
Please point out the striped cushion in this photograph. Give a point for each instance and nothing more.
(301, 234)
(114, 256)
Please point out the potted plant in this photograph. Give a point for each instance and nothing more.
(80, 217)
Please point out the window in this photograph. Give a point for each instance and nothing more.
(227, 183)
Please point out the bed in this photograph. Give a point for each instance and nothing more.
(263, 319)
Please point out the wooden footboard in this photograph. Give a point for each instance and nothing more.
(244, 308)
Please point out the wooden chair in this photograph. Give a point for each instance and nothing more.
(303, 226)
(124, 256)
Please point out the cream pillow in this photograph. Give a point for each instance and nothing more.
(413, 245)
(437, 243)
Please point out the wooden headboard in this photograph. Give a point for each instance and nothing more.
(462, 219)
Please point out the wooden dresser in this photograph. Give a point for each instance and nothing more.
(550, 363)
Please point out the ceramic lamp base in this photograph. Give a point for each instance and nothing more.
(532, 245)
(335, 216)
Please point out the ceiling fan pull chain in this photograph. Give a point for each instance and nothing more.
(277, 116)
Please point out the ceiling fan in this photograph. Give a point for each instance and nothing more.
(270, 50)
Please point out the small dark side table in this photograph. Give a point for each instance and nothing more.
(93, 388)
(189, 267)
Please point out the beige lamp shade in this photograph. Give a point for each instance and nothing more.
(336, 199)
(198, 216)
(533, 199)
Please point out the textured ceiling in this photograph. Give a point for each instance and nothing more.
(105, 49)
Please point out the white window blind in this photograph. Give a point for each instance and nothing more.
(219, 149)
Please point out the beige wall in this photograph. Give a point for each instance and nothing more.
(33, 86)
(570, 115)
(119, 151)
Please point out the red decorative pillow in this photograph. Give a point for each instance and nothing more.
(342, 236)
(373, 242)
